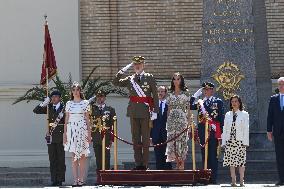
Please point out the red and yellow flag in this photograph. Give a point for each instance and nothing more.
(49, 67)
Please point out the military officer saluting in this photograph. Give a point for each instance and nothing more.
(142, 108)
(213, 107)
(102, 116)
(54, 136)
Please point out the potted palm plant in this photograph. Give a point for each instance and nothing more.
(90, 86)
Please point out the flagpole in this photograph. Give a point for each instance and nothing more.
(46, 78)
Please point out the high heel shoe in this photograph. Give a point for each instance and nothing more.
(233, 184)
(75, 183)
(242, 184)
(81, 183)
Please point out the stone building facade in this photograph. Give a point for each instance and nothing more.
(167, 32)
(86, 33)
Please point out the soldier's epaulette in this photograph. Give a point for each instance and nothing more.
(218, 99)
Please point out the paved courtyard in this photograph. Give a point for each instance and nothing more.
(173, 187)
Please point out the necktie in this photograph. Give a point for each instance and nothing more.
(281, 102)
(101, 109)
(161, 109)
(138, 77)
(54, 108)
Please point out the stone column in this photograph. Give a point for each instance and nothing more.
(235, 57)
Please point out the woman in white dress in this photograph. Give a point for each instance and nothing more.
(77, 132)
(235, 138)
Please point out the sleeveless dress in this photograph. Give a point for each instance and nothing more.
(176, 123)
(235, 151)
(77, 132)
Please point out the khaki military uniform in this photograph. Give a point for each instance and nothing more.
(139, 113)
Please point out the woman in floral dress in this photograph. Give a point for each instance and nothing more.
(77, 132)
(178, 120)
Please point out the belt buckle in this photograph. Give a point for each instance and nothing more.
(51, 124)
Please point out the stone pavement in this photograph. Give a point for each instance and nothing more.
(222, 186)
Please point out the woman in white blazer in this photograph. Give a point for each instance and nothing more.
(235, 138)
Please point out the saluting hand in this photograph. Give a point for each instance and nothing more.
(45, 102)
(198, 93)
(125, 68)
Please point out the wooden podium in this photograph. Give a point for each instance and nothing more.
(153, 177)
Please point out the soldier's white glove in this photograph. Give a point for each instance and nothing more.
(213, 127)
(198, 93)
(200, 102)
(91, 99)
(45, 102)
(125, 68)
(154, 116)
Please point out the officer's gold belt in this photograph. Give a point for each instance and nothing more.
(100, 128)
(53, 125)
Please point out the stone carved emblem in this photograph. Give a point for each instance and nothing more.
(228, 77)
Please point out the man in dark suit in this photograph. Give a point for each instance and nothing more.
(55, 148)
(159, 132)
(275, 128)
(212, 106)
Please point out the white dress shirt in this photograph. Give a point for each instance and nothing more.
(163, 105)
(209, 99)
(56, 106)
(101, 106)
(141, 74)
(281, 103)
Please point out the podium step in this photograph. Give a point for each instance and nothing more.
(152, 177)
(257, 171)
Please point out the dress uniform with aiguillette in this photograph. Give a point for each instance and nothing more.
(143, 107)
(213, 106)
(56, 129)
(102, 116)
